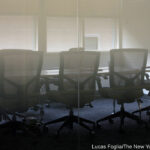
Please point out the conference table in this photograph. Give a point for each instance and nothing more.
(55, 72)
(102, 71)
(52, 76)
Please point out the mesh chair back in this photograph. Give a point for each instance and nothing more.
(77, 76)
(78, 70)
(20, 72)
(127, 67)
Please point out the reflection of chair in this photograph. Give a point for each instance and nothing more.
(127, 68)
(76, 85)
(147, 87)
(19, 82)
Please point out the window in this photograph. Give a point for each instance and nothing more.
(102, 31)
(18, 32)
(99, 33)
(62, 33)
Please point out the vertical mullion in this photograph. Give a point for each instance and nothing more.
(42, 27)
(120, 24)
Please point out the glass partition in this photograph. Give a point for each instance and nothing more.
(18, 24)
(18, 32)
(100, 33)
(74, 30)
(61, 33)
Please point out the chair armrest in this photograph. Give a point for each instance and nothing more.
(147, 76)
(147, 82)
(98, 81)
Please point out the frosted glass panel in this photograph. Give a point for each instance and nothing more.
(17, 32)
(61, 33)
(103, 29)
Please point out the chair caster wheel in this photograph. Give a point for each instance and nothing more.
(99, 126)
(111, 121)
(45, 129)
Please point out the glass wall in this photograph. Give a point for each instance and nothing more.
(18, 24)
(18, 32)
(100, 33)
(61, 33)
(55, 26)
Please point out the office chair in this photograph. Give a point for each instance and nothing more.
(126, 73)
(76, 85)
(49, 82)
(19, 84)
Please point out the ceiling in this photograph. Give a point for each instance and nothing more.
(90, 8)
(61, 7)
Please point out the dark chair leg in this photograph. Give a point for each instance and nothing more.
(143, 109)
(85, 120)
(81, 122)
(69, 120)
(122, 122)
(134, 117)
(83, 125)
(122, 114)
(117, 114)
(66, 122)
(57, 120)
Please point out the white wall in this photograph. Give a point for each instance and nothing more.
(136, 24)
(135, 14)
(61, 7)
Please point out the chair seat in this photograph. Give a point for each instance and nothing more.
(70, 98)
(123, 95)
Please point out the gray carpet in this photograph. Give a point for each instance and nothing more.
(79, 138)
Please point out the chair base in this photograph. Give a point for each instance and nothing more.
(143, 109)
(15, 125)
(122, 114)
(69, 120)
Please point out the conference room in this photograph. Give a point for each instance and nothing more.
(74, 74)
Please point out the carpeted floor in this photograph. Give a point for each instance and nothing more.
(79, 138)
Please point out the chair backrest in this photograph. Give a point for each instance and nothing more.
(20, 72)
(127, 67)
(77, 76)
(78, 69)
